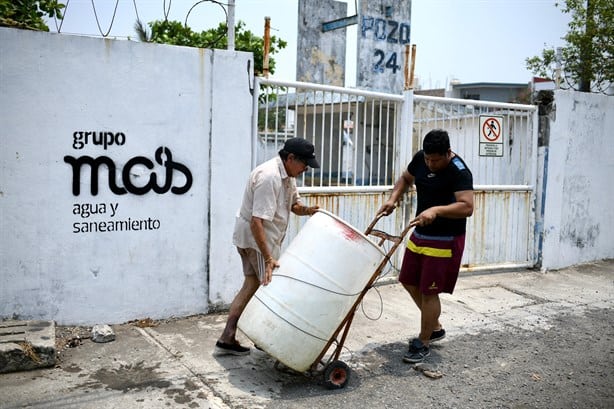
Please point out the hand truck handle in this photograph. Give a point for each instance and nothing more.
(373, 223)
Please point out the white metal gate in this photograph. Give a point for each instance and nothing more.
(501, 233)
(363, 141)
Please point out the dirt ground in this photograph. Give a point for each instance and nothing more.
(568, 366)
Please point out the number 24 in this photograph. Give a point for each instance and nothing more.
(391, 63)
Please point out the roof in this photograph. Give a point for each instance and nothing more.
(540, 79)
(491, 85)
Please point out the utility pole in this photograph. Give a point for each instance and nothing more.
(231, 25)
(586, 49)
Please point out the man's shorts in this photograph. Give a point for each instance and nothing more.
(431, 263)
(253, 262)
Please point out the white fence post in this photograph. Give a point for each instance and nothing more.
(405, 125)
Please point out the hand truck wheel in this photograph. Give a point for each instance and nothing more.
(336, 375)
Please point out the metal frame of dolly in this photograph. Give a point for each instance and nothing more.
(337, 373)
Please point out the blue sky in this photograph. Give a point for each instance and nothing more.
(470, 40)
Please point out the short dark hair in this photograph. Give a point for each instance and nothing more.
(436, 141)
(283, 154)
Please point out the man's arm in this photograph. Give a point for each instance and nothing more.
(400, 187)
(270, 263)
(300, 210)
(463, 207)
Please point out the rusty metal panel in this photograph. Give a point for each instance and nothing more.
(500, 232)
(359, 209)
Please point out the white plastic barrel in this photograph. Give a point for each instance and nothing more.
(321, 274)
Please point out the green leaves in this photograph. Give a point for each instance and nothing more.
(541, 66)
(587, 60)
(175, 33)
(29, 13)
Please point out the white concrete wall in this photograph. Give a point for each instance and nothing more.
(231, 163)
(149, 96)
(578, 215)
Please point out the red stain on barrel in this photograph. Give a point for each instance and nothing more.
(347, 232)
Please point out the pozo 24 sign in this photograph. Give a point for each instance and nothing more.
(163, 157)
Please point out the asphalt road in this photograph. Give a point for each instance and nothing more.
(570, 365)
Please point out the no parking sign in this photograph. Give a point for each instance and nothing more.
(491, 135)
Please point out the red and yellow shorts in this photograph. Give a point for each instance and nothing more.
(431, 263)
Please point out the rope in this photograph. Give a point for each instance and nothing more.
(381, 307)
(291, 324)
(362, 307)
(390, 265)
(381, 302)
(317, 286)
(335, 341)
(112, 19)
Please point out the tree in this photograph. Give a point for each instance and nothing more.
(174, 32)
(29, 13)
(587, 60)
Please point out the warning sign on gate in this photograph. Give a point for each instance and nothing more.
(491, 135)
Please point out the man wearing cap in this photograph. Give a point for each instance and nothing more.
(261, 224)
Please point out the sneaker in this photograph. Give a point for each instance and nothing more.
(417, 352)
(438, 335)
(222, 348)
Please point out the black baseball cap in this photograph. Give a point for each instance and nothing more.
(303, 149)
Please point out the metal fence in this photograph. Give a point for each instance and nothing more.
(504, 168)
(355, 132)
(365, 139)
(463, 118)
(356, 135)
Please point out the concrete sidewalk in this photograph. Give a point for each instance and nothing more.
(170, 364)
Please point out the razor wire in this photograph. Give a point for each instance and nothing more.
(55, 18)
(112, 18)
(166, 9)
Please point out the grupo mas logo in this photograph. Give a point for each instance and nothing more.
(162, 156)
(104, 139)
